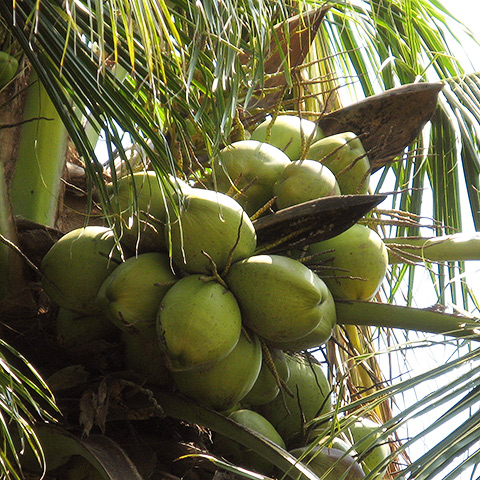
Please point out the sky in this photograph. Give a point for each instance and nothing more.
(468, 12)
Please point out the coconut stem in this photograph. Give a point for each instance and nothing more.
(273, 369)
(230, 254)
(215, 275)
(263, 209)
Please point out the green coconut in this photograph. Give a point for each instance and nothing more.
(250, 165)
(74, 330)
(304, 180)
(198, 323)
(345, 156)
(311, 397)
(354, 263)
(289, 133)
(319, 335)
(280, 298)
(131, 295)
(143, 355)
(75, 267)
(143, 209)
(8, 68)
(210, 223)
(371, 448)
(266, 387)
(241, 455)
(226, 383)
(336, 462)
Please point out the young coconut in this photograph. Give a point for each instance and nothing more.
(304, 180)
(289, 133)
(142, 201)
(311, 397)
(8, 68)
(345, 156)
(250, 165)
(280, 298)
(209, 223)
(227, 382)
(74, 330)
(319, 335)
(131, 295)
(144, 356)
(75, 267)
(266, 387)
(243, 456)
(336, 462)
(373, 450)
(355, 263)
(198, 323)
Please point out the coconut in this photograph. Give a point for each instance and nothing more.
(143, 209)
(372, 449)
(266, 387)
(355, 263)
(143, 355)
(227, 382)
(311, 397)
(304, 180)
(289, 133)
(198, 323)
(319, 335)
(280, 298)
(241, 455)
(209, 223)
(75, 329)
(75, 267)
(336, 462)
(250, 165)
(345, 156)
(8, 68)
(132, 293)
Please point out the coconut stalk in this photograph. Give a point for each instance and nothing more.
(353, 312)
(457, 247)
(36, 185)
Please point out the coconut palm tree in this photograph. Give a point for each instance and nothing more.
(164, 86)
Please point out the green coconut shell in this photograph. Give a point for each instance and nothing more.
(319, 335)
(311, 397)
(289, 133)
(213, 223)
(142, 203)
(266, 387)
(320, 460)
(198, 323)
(241, 455)
(8, 68)
(345, 156)
(252, 164)
(227, 382)
(302, 181)
(373, 451)
(75, 267)
(131, 295)
(280, 298)
(144, 356)
(75, 329)
(352, 264)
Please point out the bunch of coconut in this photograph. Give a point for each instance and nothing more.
(195, 305)
(287, 161)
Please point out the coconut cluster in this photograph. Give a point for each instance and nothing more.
(198, 310)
